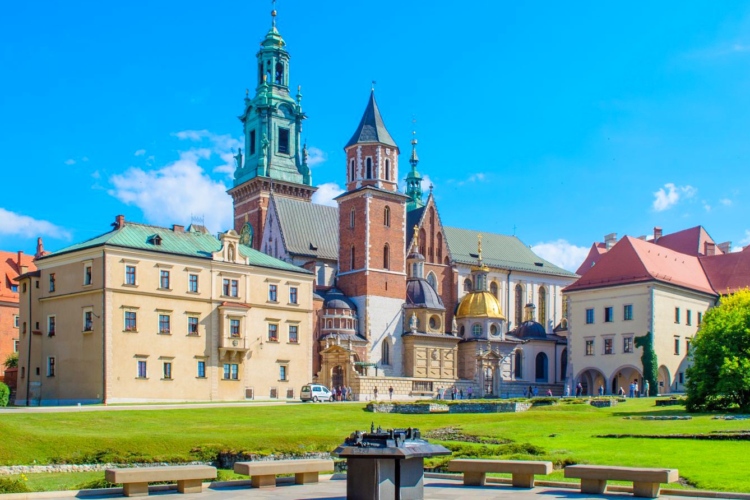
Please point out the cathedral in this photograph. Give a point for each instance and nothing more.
(400, 299)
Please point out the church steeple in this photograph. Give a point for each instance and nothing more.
(414, 179)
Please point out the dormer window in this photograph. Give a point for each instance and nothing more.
(155, 240)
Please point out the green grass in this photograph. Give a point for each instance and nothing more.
(561, 433)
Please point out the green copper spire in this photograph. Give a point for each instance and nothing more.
(272, 119)
(414, 179)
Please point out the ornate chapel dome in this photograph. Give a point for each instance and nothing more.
(479, 304)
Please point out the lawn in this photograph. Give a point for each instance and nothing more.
(563, 434)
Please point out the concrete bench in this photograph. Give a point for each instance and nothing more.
(135, 480)
(522, 471)
(646, 482)
(263, 474)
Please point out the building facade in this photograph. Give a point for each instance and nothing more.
(12, 264)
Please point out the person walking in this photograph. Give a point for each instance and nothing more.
(601, 390)
(646, 388)
(632, 390)
(375, 393)
(343, 393)
(579, 390)
(536, 391)
(461, 393)
(637, 393)
(469, 391)
(441, 391)
(390, 393)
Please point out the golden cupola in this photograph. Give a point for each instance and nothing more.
(479, 303)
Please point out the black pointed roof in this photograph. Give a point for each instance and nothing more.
(371, 128)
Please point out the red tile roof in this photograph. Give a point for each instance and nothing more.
(634, 261)
(10, 269)
(688, 241)
(596, 251)
(729, 272)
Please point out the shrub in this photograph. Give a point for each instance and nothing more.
(10, 485)
(95, 484)
(4, 394)
(11, 361)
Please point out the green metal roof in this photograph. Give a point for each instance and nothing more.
(189, 243)
(308, 229)
(498, 251)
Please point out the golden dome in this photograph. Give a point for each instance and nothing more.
(479, 305)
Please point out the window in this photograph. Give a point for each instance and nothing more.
(15, 321)
(23, 327)
(519, 303)
(192, 325)
(518, 365)
(293, 334)
(682, 377)
(351, 168)
(164, 323)
(687, 346)
(14, 288)
(252, 143)
(142, 369)
(87, 275)
(201, 369)
(387, 217)
(677, 346)
(627, 344)
(52, 282)
(476, 330)
(273, 332)
(231, 371)
(234, 328)
(432, 280)
(387, 169)
(589, 348)
(543, 306)
(193, 283)
(51, 326)
(130, 324)
(589, 316)
(385, 353)
(293, 295)
(284, 140)
(282, 372)
(352, 217)
(167, 370)
(368, 170)
(700, 318)
(51, 366)
(88, 321)
(164, 280)
(627, 312)
(677, 315)
(609, 314)
(272, 293)
(608, 346)
(386, 257)
(353, 258)
(689, 317)
(493, 289)
(231, 288)
(467, 285)
(16, 344)
(130, 275)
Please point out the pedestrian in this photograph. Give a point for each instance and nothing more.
(549, 393)
(567, 391)
(440, 392)
(375, 393)
(645, 389)
(390, 392)
(531, 391)
(579, 390)
(469, 391)
(621, 392)
(601, 390)
(461, 393)
(454, 392)
(343, 393)
(338, 393)
(632, 389)
(536, 391)
(637, 393)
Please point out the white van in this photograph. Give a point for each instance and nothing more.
(315, 393)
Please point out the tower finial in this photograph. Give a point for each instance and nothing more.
(416, 236)
(372, 88)
(273, 13)
(479, 247)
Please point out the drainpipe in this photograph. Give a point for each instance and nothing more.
(507, 300)
(28, 361)
(104, 322)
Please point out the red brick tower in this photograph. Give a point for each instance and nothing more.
(372, 220)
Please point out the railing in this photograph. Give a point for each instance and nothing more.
(234, 343)
(421, 386)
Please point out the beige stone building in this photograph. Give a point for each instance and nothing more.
(145, 313)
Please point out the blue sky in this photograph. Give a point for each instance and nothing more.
(561, 121)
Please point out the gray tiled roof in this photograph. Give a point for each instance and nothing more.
(499, 251)
(371, 128)
(309, 229)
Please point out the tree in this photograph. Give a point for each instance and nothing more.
(649, 362)
(719, 378)
(11, 361)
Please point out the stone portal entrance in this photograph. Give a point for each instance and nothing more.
(337, 377)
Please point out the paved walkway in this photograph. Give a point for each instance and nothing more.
(334, 487)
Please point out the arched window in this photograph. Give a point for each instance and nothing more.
(279, 77)
(476, 330)
(543, 306)
(422, 241)
(387, 169)
(351, 168)
(386, 257)
(467, 285)
(564, 364)
(352, 216)
(518, 368)
(493, 289)
(354, 258)
(385, 355)
(463, 330)
(387, 217)
(541, 367)
(432, 280)
(439, 248)
(368, 163)
(330, 324)
(519, 304)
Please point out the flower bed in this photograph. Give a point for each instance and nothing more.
(453, 407)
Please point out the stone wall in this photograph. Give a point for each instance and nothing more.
(507, 407)
(403, 388)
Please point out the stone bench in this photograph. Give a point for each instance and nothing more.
(135, 480)
(263, 474)
(522, 471)
(646, 482)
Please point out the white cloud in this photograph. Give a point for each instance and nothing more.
(668, 196)
(315, 156)
(426, 183)
(70, 161)
(706, 206)
(14, 224)
(170, 195)
(326, 193)
(476, 177)
(561, 253)
(726, 202)
(224, 146)
(140, 152)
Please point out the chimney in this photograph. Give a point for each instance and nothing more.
(24, 269)
(610, 240)
(176, 228)
(657, 233)
(725, 247)
(119, 221)
(39, 248)
(709, 248)
(18, 261)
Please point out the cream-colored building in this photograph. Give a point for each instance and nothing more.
(635, 287)
(146, 313)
